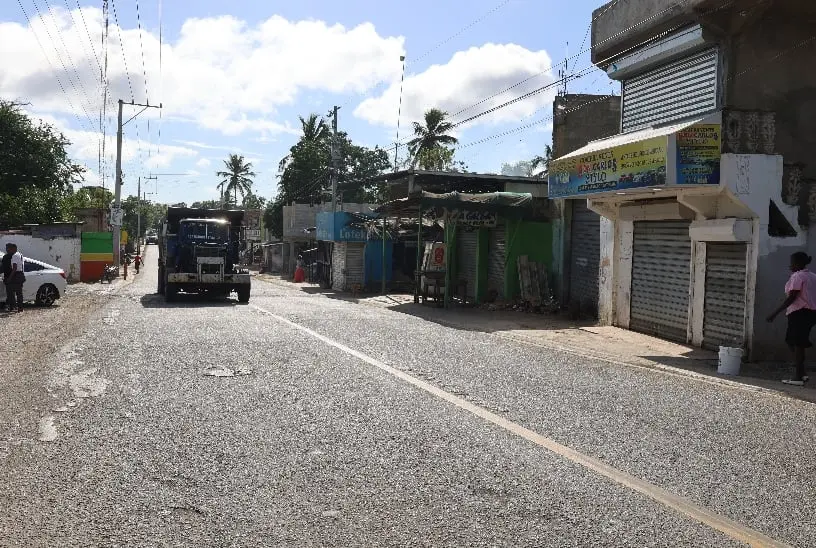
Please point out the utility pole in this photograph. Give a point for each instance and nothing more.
(139, 212)
(116, 210)
(335, 156)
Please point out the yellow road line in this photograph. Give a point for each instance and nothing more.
(731, 528)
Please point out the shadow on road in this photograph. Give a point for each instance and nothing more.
(184, 300)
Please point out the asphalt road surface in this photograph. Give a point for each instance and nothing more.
(305, 420)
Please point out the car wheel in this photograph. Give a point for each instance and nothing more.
(243, 294)
(46, 295)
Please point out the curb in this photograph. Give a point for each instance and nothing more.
(666, 369)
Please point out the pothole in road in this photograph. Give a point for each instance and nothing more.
(226, 372)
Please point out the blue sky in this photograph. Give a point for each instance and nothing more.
(236, 75)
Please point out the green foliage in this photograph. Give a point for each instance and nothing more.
(253, 201)
(36, 174)
(304, 174)
(207, 204)
(237, 177)
(428, 148)
(152, 215)
(88, 197)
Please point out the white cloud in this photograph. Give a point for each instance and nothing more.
(203, 162)
(467, 78)
(221, 73)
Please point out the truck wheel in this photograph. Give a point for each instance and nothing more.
(170, 292)
(243, 294)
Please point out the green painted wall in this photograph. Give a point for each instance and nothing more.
(97, 242)
(526, 238)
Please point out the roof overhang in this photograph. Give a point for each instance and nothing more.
(652, 157)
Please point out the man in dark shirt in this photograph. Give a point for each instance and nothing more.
(6, 267)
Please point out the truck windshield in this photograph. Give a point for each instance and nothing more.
(202, 231)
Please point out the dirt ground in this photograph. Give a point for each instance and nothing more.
(30, 339)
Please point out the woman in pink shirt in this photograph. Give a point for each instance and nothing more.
(800, 308)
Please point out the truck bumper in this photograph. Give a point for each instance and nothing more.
(208, 279)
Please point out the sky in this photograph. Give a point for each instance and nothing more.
(233, 77)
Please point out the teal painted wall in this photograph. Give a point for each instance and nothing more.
(526, 238)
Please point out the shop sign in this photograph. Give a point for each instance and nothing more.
(633, 165)
(436, 260)
(472, 218)
(698, 155)
(332, 227)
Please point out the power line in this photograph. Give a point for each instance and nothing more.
(59, 58)
(53, 70)
(141, 45)
(122, 47)
(87, 33)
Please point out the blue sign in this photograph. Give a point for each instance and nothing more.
(698, 155)
(333, 227)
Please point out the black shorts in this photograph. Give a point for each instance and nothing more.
(800, 323)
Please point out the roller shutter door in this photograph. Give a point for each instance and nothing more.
(585, 252)
(467, 259)
(355, 263)
(724, 309)
(681, 89)
(496, 259)
(661, 273)
(339, 266)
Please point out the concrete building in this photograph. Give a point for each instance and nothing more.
(708, 187)
(57, 244)
(578, 119)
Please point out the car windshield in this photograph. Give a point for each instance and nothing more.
(205, 231)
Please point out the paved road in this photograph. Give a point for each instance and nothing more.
(350, 425)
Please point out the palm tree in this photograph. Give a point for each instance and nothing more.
(315, 132)
(543, 161)
(237, 177)
(431, 136)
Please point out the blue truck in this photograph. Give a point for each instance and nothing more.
(199, 252)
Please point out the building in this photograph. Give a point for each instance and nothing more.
(57, 244)
(578, 119)
(483, 237)
(705, 192)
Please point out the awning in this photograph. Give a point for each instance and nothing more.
(629, 138)
(498, 202)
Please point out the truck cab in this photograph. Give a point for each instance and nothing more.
(199, 253)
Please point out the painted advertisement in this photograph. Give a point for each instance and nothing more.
(698, 155)
(334, 227)
(472, 218)
(633, 165)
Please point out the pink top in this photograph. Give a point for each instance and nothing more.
(805, 282)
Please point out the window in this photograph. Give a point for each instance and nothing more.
(32, 267)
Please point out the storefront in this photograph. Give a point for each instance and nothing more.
(679, 231)
(347, 251)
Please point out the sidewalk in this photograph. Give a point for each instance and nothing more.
(611, 344)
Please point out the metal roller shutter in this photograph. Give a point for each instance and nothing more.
(724, 308)
(497, 259)
(661, 273)
(681, 89)
(467, 259)
(585, 252)
(355, 263)
(339, 266)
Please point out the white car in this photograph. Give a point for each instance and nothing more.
(44, 283)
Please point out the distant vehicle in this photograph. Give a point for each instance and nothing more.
(44, 283)
(199, 252)
(151, 238)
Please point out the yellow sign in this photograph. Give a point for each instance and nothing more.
(633, 165)
(698, 155)
(124, 237)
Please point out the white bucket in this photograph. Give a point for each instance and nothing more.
(730, 360)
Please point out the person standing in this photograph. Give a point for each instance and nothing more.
(15, 280)
(800, 307)
(6, 268)
(137, 262)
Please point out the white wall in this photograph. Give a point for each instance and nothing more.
(61, 252)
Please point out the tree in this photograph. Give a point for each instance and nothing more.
(207, 204)
(89, 197)
(36, 174)
(151, 213)
(542, 161)
(237, 177)
(253, 201)
(523, 168)
(429, 138)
